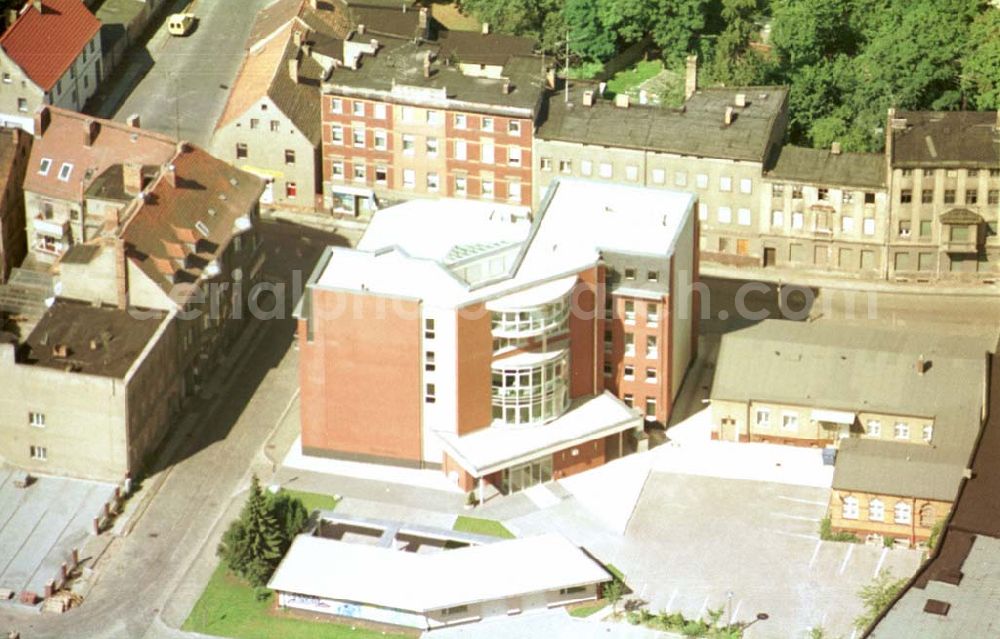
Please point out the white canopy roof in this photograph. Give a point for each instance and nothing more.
(414, 582)
(833, 416)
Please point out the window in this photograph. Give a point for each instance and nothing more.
(650, 375)
(868, 226)
(798, 220)
(64, 171)
(487, 124)
(575, 590)
(607, 338)
(650, 347)
(430, 393)
(869, 197)
(927, 196)
(702, 211)
(358, 137)
(630, 273)
(993, 197)
(462, 152)
(546, 164)
(289, 156)
(429, 361)
(630, 311)
(632, 173)
(38, 452)
(763, 418)
(336, 105)
(429, 328)
(629, 344)
(628, 399)
(380, 111)
(337, 168)
(902, 513)
(381, 174)
(461, 185)
(629, 372)
(659, 176)
(904, 228)
(971, 196)
(565, 166)
(530, 393)
(586, 167)
(652, 314)
(254, 123)
(607, 370)
(777, 218)
(337, 134)
(701, 180)
(847, 224)
(604, 170)
(6, 78)
(925, 228)
(241, 150)
(22, 105)
(432, 147)
(291, 190)
(949, 196)
(725, 215)
(488, 188)
(927, 519)
(44, 166)
(433, 182)
(381, 140)
(407, 114)
(461, 121)
(906, 172)
(876, 510)
(746, 185)
(514, 191)
(409, 144)
(777, 190)
(928, 433)
(514, 127)
(358, 108)
(725, 183)
(650, 409)
(360, 172)
(901, 430)
(823, 194)
(743, 217)
(514, 156)
(850, 508)
(275, 126)
(796, 192)
(409, 178)
(434, 118)
(874, 428)
(652, 276)
(36, 419)
(994, 173)
(790, 421)
(906, 196)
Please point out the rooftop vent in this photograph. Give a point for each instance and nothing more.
(621, 100)
(233, 181)
(60, 351)
(835, 148)
(729, 116)
(937, 607)
(922, 365)
(588, 98)
(741, 100)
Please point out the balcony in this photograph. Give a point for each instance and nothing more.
(51, 228)
(961, 231)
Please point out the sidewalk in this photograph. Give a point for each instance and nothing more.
(800, 278)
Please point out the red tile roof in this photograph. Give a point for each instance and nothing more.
(44, 44)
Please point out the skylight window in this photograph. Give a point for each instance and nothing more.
(201, 228)
(64, 171)
(44, 166)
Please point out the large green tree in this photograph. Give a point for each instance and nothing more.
(252, 546)
(981, 61)
(735, 62)
(539, 19)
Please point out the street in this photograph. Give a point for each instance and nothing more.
(179, 85)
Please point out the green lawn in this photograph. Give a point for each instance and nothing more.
(631, 78)
(482, 527)
(228, 608)
(313, 501)
(588, 609)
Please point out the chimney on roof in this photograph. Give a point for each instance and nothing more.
(835, 148)
(11, 16)
(486, 28)
(37, 4)
(423, 24)
(133, 121)
(182, 147)
(741, 100)
(588, 97)
(314, 4)
(132, 177)
(427, 64)
(60, 351)
(921, 365)
(42, 119)
(121, 274)
(729, 116)
(506, 87)
(691, 76)
(297, 38)
(293, 69)
(90, 132)
(550, 78)
(170, 173)
(361, 29)
(621, 100)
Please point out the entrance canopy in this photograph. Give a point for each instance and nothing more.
(500, 446)
(833, 416)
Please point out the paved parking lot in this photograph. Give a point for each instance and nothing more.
(40, 525)
(693, 539)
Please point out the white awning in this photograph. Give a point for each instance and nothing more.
(552, 291)
(351, 190)
(833, 416)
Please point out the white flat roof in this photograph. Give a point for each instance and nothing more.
(414, 582)
(578, 220)
(491, 449)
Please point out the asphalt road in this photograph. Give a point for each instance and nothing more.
(179, 85)
(141, 571)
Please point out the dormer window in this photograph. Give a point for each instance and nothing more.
(44, 166)
(64, 171)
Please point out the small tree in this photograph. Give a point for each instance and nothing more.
(876, 597)
(613, 592)
(251, 547)
(291, 515)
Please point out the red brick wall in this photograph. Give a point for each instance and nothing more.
(501, 170)
(584, 361)
(473, 376)
(589, 455)
(351, 154)
(360, 378)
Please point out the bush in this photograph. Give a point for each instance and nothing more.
(888, 541)
(826, 533)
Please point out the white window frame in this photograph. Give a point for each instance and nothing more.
(850, 508)
(777, 218)
(902, 513)
(874, 428)
(901, 430)
(928, 433)
(725, 215)
(488, 188)
(358, 109)
(380, 111)
(461, 121)
(651, 376)
(876, 509)
(725, 183)
(746, 185)
(514, 127)
(433, 145)
(44, 166)
(764, 413)
(461, 150)
(433, 182)
(743, 217)
(409, 178)
(514, 191)
(38, 453)
(487, 124)
(868, 226)
(789, 420)
(847, 224)
(65, 171)
(605, 170)
(632, 172)
(701, 180)
(658, 176)
(359, 172)
(337, 169)
(36, 420)
(586, 167)
(337, 134)
(381, 139)
(487, 152)
(702, 211)
(409, 144)
(514, 155)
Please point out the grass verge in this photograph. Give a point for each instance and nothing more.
(314, 501)
(482, 527)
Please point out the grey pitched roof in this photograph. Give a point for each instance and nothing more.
(866, 367)
(820, 166)
(946, 138)
(697, 129)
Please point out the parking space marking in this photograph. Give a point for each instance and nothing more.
(670, 602)
(704, 607)
(798, 535)
(803, 501)
(812, 560)
(847, 558)
(881, 560)
(796, 517)
(736, 612)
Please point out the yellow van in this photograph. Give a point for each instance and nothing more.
(180, 24)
